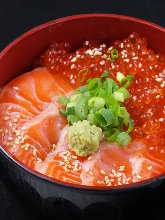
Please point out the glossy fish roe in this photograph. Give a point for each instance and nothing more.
(147, 103)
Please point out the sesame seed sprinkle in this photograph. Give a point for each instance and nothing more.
(103, 172)
(150, 168)
(15, 88)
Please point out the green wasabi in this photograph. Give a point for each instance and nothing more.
(84, 138)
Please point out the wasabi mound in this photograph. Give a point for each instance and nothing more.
(84, 138)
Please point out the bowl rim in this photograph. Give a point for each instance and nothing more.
(101, 189)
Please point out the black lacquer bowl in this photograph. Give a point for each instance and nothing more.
(57, 200)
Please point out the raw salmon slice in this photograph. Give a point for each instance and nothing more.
(61, 163)
(111, 165)
(29, 119)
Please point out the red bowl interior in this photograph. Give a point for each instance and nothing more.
(18, 56)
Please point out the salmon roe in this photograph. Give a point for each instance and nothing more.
(146, 104)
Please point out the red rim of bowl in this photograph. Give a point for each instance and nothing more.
(140, 184)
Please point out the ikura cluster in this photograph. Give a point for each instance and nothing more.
(146, 104)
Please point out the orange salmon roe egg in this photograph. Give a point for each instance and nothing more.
(147, 90)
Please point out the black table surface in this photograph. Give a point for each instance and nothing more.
(18, 16)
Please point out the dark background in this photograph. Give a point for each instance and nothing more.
(18, 16)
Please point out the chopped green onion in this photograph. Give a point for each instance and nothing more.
(100, 102)
(114, 55)
(84, 72)
(108, 115)
(70, 110)
(125, 92)
(126, 81)
(119, 96)
(104, 75)
(92, 119)
(63, 112)
(81, 109)
(96, 102)
(130, 77)
(122, 113)
(63, 100)
(82, 88)
(111, 135)
(131, 125)
(123, 139)
(74, 98)
(71, 119)
(120, 77)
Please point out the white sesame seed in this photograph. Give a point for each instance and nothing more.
(74, 157)
(140, 65)
(39, 160)
(89, 52)
(24, 128)
(113, 171)
(10, 138)
(150, 168)
(109, 184)
(34, 152)
(9, 108)
(78, 56)
(102, 62)
(119, 179)
(54, 146)
(133, 173)
(91, 173)
(15, 88)
(7, 118)
(61, 163)
(127, 60)
(122, 45)
(97, 53)
(10, 124)
(139, 177)
(103, 172)
(98, 182)
(158, 79)
(134, 58)
(158, 96)
(26, 137)
(104, 56)
(111, 175)
(102, 45)
(90, 158)
(151, 148)
(73, 59)
(73, 81)
(106, 178)
(72, 66)
(87, 170)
